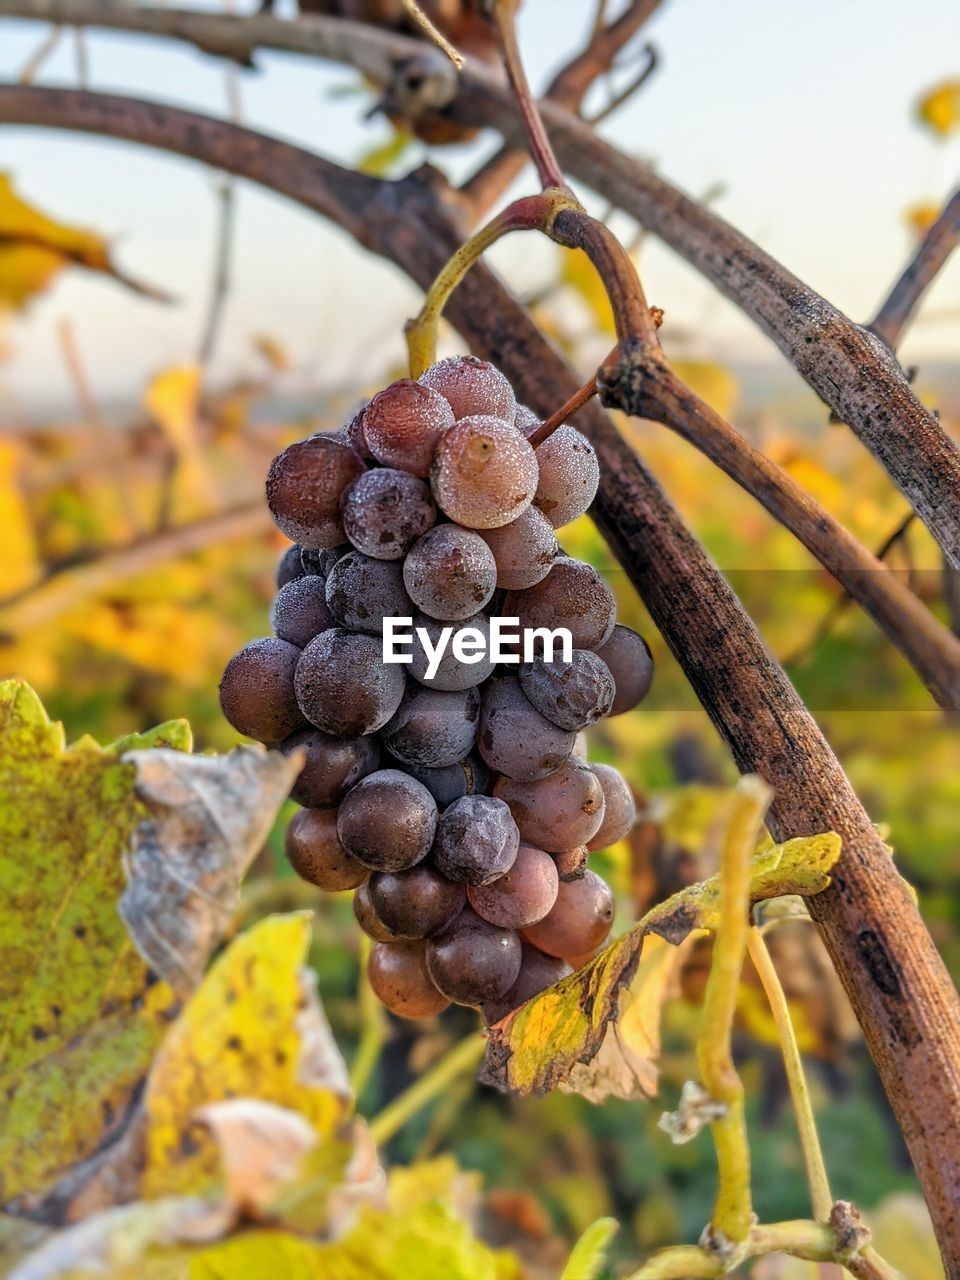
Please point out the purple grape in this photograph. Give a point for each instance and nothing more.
(385, 511)
(316, 854)
(619, 807)
(572, 595)
(630, 662)
(477, 840)
(569, 475)
(361, 592)
(402, 424)
(537, 972)
(570, 694)
(521, 896)
(289, 566)
(473, 962)
(450, 573)
(416, 903)
(451, 672)
(304, 485)
(388, 821)
(332, 767)
(299, 612)
(471, 386)
(514, 738)
(342, 685)
(257, 690)
(559, 812)
(484, 473)
(433, 729)
(467, 777)
(398, 975)
(579, 920)
(524, 550)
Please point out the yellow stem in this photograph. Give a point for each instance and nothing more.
(530, 213)
(733, 1211)
(817, 1178)
(682, 1262)
(463, 1057)
(374, 1024)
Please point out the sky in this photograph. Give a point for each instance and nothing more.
(799, 111)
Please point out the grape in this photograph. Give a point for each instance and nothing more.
(450, 573)
(332, 767)
(631, 665)
(432, 728)
(316, 854)
(570, 694)
(257, 690)
(525, 420)
(515, 738)
(304, 485)
(388, 821)
(399, 976)
(299, 612)
(558, 812)
(521, 896)
(569, 475)
(537, 972)
(619, 809)
(467, 777)
(318, 563)
(353, 435)
(367, 918)
(570, 863)
(484, 473)
(385, 511)
(471, 386)
(579, 920)
(361, 592)
(524, 550)
(401, 425)
(451, 672)
(289, 566)
(477, 840)
(572, 595)
(473, 962)
(342, 685)
(416, 903)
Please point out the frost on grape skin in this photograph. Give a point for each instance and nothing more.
(361, 592)
(619, 807)
(332, 767)
(450, 573)
(477, 840)
(385, 511)
(304, 485)
(257, 690)
(484, 473)
(571, 694)
(569, 475)
(299, 612)
(451, 673)
(388, 821)
(343, 687)
(403, 423)
(523, 550)
(433, 728)
(515, 739)
(630, 662)
(471, 386)
(572, 595)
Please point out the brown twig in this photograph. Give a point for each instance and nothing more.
(880, 946)
(432, 33)
(623, 96)
(931, 255)
(537, 435)
(541, 150)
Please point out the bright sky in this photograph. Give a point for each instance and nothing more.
(801, 109)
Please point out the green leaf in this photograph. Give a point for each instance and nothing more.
(86, 833)
(546, 1042)
(590, 1252)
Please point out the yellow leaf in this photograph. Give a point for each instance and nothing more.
(18, 565)
(580, 275)
(247, 1031)
(588, 1258)
(544, 1043)
(172, 398)
(381, 160)
(34, 248)
(939, 108)
(273, 352)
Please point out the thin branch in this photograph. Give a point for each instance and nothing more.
(896, 981)
(633, 86)
(538, 143)
(432, 33)
(461, 1059)
(931, 255)
(36, 60)
(226, 200)
(38, 605)
(817, 1179)
(569, 86)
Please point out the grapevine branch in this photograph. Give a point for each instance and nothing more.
(932, 253)
(896, 981)
(847, 365)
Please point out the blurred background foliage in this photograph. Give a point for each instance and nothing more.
(138, 556)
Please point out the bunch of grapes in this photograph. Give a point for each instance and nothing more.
(457, 803)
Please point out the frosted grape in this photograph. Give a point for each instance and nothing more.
(342, 685)
(332, 767)
(471, 386)
(385, 511)
(432, 728)
(361, 592)
(257, 690)
(619, 811)
(514, 738)
(299, 611)
(523, 550)
(304, 486)
(569, 475)
(417, 902)
(484, 473)
(630, 662)
(388, 821)
(477, 840)
(451, 672)
(402, 424)
(572, 595)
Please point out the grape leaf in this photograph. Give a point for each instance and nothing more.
(589, 1254)
(35, 248)
(548, 1041)
(81, 1010)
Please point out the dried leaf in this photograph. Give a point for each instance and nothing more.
(939, 108)
(81, 1010)
(211, 815)
(539, 1045)
(253, 1029)
(34, 249)
(262, 1148)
